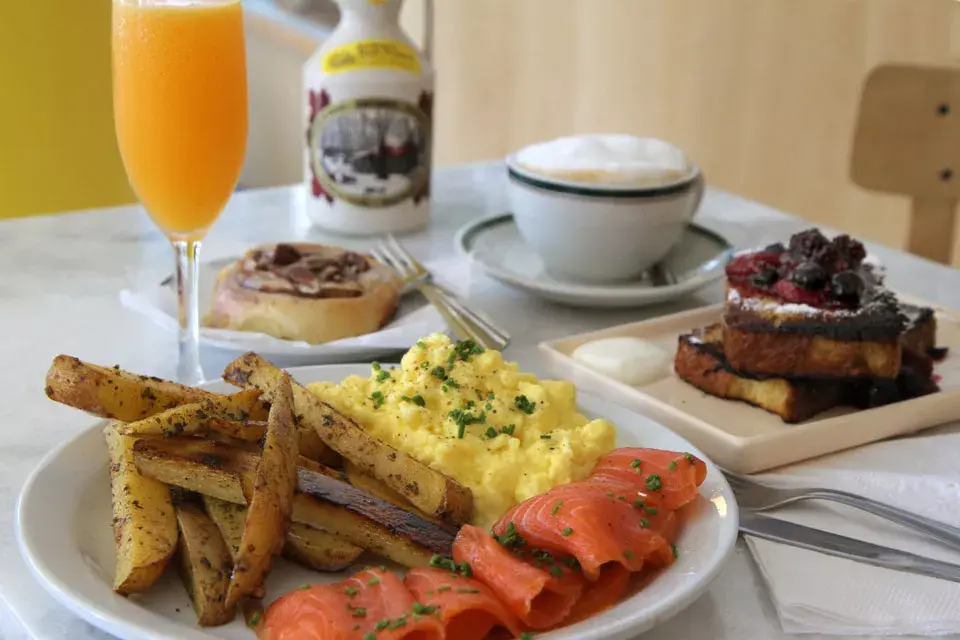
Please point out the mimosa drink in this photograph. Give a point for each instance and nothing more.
(180, 101)
(180, 104)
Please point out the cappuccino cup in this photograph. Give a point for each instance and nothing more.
(602, 208)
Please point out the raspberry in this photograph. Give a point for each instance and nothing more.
(746, 266)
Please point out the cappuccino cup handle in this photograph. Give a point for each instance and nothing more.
(699, 187)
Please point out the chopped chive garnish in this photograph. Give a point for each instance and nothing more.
(380, 626)
(377, 397)
(372, 582)
(375, 365)
(254, 619)
(491, 432)
(673, 548)
(688, 457)
(638, 504)
(544, 436)
(444, 587)
(628, 554)
(672, 466)
(399, 622)
(466, 590)
(556, 508)
(305, 586)
(566, 532)
(421, 344)
(654, 483)
(509, 429)
(635, 464)
(359, 612)
(350, 591)
(644, 523)
(556, 571)
(651, 510)
(610, 494)
(524, 404)
(421, 610)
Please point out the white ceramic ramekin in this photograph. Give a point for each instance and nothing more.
(600, 233)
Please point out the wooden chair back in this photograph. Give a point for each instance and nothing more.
(907, 142)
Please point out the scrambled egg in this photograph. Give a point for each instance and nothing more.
(469, 414)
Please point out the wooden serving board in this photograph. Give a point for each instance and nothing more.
(741, 437)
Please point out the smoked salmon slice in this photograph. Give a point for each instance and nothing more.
(372, 601)
(592, 522)
(600, 595)
(671, 477)
(537, 597)
(467, 608)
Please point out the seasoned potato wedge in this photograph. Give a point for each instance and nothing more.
(429, 490)
(113, 392)
(271, 502)
(304, 545)
(144, 523)
(319, 550)
(229, 518)
(371, 485)
(324, 500)
(204, 566)
(196, 417)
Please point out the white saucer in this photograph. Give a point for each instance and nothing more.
(494, 243)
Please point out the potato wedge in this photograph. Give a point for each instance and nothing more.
(429, 490)
(217, 470)
(271, 502)
(304, 545)
(114, 393)
(144, 523)
(229, 518)
(196, 417)
(205, 566)
(319, 550)
(374, 487)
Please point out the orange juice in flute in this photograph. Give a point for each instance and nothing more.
(180, 105)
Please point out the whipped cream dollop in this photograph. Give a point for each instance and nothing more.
(618, 159)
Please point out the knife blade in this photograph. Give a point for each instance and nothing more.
(832, 544)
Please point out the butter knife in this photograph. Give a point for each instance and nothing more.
(832, 544)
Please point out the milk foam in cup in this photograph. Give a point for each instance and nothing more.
(618, 160)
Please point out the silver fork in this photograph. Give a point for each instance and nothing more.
(755, 496)
(465, 322)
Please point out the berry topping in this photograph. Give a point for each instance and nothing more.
(847, 287)
(791, 292)
(776, 247)
(766, 277)
(807, 244)
(749, 265)
(809, 275)
(850, 250)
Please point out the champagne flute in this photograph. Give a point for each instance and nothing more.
(180, 106)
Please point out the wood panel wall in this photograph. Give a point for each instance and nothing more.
(762, 93)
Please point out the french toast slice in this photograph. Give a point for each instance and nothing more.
(815, 309)
(765, 338)
(701, 362)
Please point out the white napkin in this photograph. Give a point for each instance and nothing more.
(816, 593)
(413, 320)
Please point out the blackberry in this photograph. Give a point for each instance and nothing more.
(807, 243)
(776, 247)
(847, 286)
(850, 250)
(810, 275)
(766, 277)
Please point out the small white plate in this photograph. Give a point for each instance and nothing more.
(495, 244)
(64, 532)
(413, 320)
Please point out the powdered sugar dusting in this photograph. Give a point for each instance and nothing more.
(769, 305)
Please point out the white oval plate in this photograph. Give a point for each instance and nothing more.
(65, 534)
(494, 243)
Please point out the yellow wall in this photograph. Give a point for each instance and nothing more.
(57, 146)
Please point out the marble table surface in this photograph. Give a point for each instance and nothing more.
(59, 295)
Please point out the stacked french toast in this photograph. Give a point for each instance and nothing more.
(810, 326)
